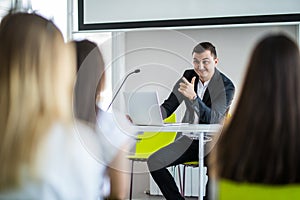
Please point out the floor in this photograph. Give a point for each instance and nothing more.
(141, 184)
(153, 197)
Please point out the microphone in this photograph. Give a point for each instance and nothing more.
(114, 97)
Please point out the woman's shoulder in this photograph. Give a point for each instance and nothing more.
(67, 166)
(64, 168)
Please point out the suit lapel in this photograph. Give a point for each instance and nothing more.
(196, 84)
(206, 97)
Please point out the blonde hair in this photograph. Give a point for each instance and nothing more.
(36, 76)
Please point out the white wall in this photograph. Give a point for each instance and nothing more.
(163, 55)
(55, 10)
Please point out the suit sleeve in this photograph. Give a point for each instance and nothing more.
(174, 100)
(221, 94)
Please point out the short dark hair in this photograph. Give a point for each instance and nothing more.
(203, 46)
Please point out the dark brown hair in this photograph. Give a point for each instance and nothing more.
(262, 142)
(203, 46)
(90, 80)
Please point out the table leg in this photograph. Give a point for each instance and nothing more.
(201, 166)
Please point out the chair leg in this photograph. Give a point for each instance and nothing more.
(131, 181)
(180, 182)
(183, 178)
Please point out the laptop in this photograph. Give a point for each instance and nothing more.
(144, 109)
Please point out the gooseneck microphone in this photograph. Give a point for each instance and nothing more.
(114, 97)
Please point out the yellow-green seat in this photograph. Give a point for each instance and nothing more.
(149, 142)
(192, 163)
(230, 190)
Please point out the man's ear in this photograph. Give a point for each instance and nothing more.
(216, 61)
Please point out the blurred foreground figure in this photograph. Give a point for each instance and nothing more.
(262, 142)
(110, 145)
(40, 151)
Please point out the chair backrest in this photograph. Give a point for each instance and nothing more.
(230, 190)
(149, 142)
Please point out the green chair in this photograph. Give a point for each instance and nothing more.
(230, 190)
(149, 142)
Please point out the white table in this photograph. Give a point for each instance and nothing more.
(197, 129)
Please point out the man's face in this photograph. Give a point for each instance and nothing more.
(204, 65)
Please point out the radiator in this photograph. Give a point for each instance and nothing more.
(191, 181)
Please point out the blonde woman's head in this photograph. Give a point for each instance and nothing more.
(36, 79)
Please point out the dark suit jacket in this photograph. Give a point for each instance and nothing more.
(214, 106)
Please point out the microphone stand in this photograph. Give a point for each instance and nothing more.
(114, 97)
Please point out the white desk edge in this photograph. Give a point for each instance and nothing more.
(210, 128)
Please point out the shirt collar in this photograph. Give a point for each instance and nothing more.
(205, 84)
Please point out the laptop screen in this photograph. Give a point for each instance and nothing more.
(143, 108)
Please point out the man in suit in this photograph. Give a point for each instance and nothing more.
(207, 94)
